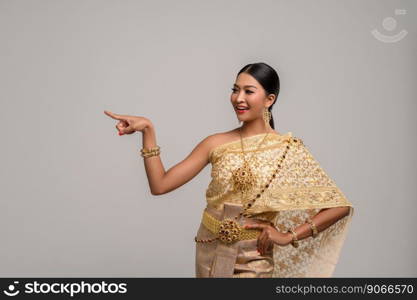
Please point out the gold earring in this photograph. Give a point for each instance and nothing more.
(266, 116)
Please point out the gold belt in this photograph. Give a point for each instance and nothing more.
(228, 230)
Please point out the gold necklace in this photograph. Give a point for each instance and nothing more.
(243, 177)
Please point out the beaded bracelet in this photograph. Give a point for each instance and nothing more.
(294, 241)
(313, 227)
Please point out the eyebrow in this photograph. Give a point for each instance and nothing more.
(246, 85)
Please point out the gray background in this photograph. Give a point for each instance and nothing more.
(75, 200)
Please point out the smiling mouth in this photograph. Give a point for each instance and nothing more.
(241, 111)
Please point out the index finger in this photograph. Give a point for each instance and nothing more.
(260, 226)
(114, 116)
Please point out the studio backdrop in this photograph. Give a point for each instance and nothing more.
(75, 199)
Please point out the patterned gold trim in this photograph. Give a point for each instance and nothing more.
(300, 198)
(234, 146)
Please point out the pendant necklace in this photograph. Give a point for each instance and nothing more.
(243, 177)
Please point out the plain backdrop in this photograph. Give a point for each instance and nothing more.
(75, 199)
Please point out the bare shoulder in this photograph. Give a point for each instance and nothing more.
(219, 138)
(201, 152)
(213, 141)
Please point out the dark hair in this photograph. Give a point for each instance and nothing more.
(267, 77)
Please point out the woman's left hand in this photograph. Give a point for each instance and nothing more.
(269, 236)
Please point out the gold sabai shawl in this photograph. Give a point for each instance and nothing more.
(300, 190)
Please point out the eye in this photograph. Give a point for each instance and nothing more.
(234, 91)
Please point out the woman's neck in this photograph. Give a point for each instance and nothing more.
(254, 128)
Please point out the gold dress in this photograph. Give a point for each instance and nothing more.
(300, 190)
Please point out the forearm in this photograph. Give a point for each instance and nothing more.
(153, 165)
(324, 219)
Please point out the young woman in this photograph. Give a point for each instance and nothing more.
(272, 211)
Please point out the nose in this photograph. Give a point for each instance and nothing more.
(241, 98)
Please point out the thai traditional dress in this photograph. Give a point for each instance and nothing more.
(300, 190)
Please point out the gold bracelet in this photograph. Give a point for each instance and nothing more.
(313, 227)
(147, 150)
(150, 154)
(294, 241)
(145, 155)
(144, 152)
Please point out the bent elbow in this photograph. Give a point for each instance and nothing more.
(157, 192)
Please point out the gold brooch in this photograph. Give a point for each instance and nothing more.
(243, 178)
(229, 231)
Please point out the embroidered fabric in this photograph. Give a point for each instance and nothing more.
(301, 189)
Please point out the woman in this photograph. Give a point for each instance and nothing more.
(272, 211)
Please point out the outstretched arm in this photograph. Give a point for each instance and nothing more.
(161, 181)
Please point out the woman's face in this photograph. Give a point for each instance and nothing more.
(248, 93)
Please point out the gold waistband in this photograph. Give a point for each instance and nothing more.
(228, 230)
